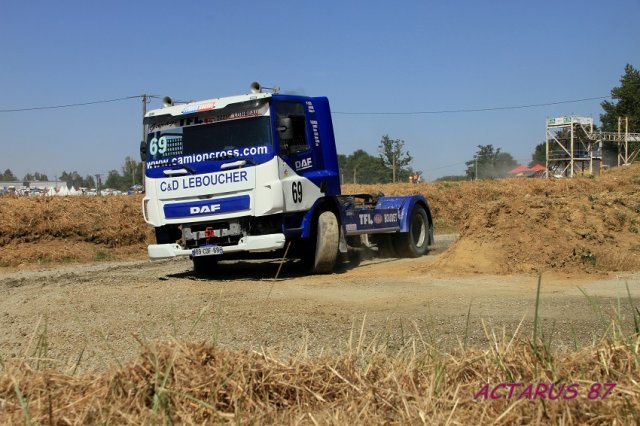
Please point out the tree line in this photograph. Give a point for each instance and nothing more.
(130, 174)
(391, 164)
(8, 176)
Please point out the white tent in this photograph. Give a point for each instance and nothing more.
(51, 191)
(74, 191)
(63, 190)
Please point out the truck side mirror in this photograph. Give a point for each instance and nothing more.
(143, 151)
(285, 128)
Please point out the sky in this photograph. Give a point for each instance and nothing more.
(366, 57)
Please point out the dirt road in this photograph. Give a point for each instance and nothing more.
(94, 315)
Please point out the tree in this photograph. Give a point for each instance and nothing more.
(362, 167)
(8, 176)
(115, 181)
(539, 155)
(627, 104)
(342, 165)
(131, 173)
(489, 163)
(36, 177)
(72, 179)
(627, 96)
(365, 168)
(89, 182)
(393, 156)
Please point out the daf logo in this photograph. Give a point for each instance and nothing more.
(303, 164)
(212, 208)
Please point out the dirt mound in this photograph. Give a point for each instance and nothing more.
(533, 234)
(196, 384)
(579, 225)
(64, 229)
(532, 225)
(505, 226)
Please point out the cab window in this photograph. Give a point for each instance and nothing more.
(291, 128)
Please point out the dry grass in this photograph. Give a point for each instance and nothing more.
(368, 382)
(194, 384)
(70, 229)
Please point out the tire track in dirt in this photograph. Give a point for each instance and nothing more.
(100, 310)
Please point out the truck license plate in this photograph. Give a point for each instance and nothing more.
(206, 251)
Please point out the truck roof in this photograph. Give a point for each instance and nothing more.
(206, 105)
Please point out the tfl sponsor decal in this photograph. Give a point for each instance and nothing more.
(390, 217)
(378, 218)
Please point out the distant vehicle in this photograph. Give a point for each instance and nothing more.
(136, 189)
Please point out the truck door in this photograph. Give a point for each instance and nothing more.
(298, 160)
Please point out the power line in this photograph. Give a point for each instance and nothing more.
(70, 105)
(449, 111)
(458, 111)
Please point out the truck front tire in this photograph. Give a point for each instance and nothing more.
(415, 242)
(327, 240)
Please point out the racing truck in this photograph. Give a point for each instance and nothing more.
(258, 173)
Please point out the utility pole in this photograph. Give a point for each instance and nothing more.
(476, 174)
(144, 135)
(393, 166)
(476, 164)
(626, 141)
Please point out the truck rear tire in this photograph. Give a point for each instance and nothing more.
(415, 242)
(327, 240)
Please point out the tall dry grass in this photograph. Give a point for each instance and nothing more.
(195, 384)
(42, 230)
(367, 383)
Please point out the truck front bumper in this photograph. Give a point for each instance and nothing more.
(254, 243)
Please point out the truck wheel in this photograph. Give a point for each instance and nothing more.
(327, 240)
(415, 242)
(205, 265)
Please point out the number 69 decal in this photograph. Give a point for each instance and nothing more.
(296, 191)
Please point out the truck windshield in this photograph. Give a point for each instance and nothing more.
(204, 139)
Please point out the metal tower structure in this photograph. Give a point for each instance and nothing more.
(572, 146)
(569, 149)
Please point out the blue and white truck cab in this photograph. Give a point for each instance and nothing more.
(255, 172)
